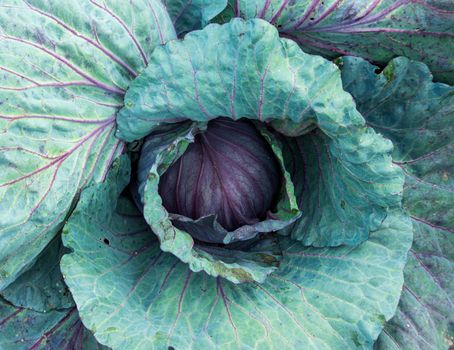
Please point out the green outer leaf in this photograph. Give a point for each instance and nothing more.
(64, 67)
(134, 296)
(23, 329)
(252, 73)
(418, 116)
(163, 147)
(188, 15)
(375, 30)
(41, 288)
(335, 189)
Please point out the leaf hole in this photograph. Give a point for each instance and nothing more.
(106, 241)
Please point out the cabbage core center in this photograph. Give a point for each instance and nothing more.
(229, 171)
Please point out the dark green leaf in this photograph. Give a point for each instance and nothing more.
(64, 67)
(22, 329)
(418, 116)
(190, 15)
(41, 288)
(377, 30)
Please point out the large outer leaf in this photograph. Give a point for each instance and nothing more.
(250, 72)
(22, 329)
(190, 15)
(418, 116)
(134, 296)
(64, 66)
(377, 30)
(335, 195)
(41, 288)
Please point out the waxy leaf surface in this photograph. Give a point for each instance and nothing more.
(377, 30)
(64, 68)
(188, 15)
(131, 294)
(405, 105)
(41, 288)
(24, 329)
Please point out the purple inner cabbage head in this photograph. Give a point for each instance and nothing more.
(229, 170)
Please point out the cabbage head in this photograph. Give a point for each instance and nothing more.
(261, 174)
